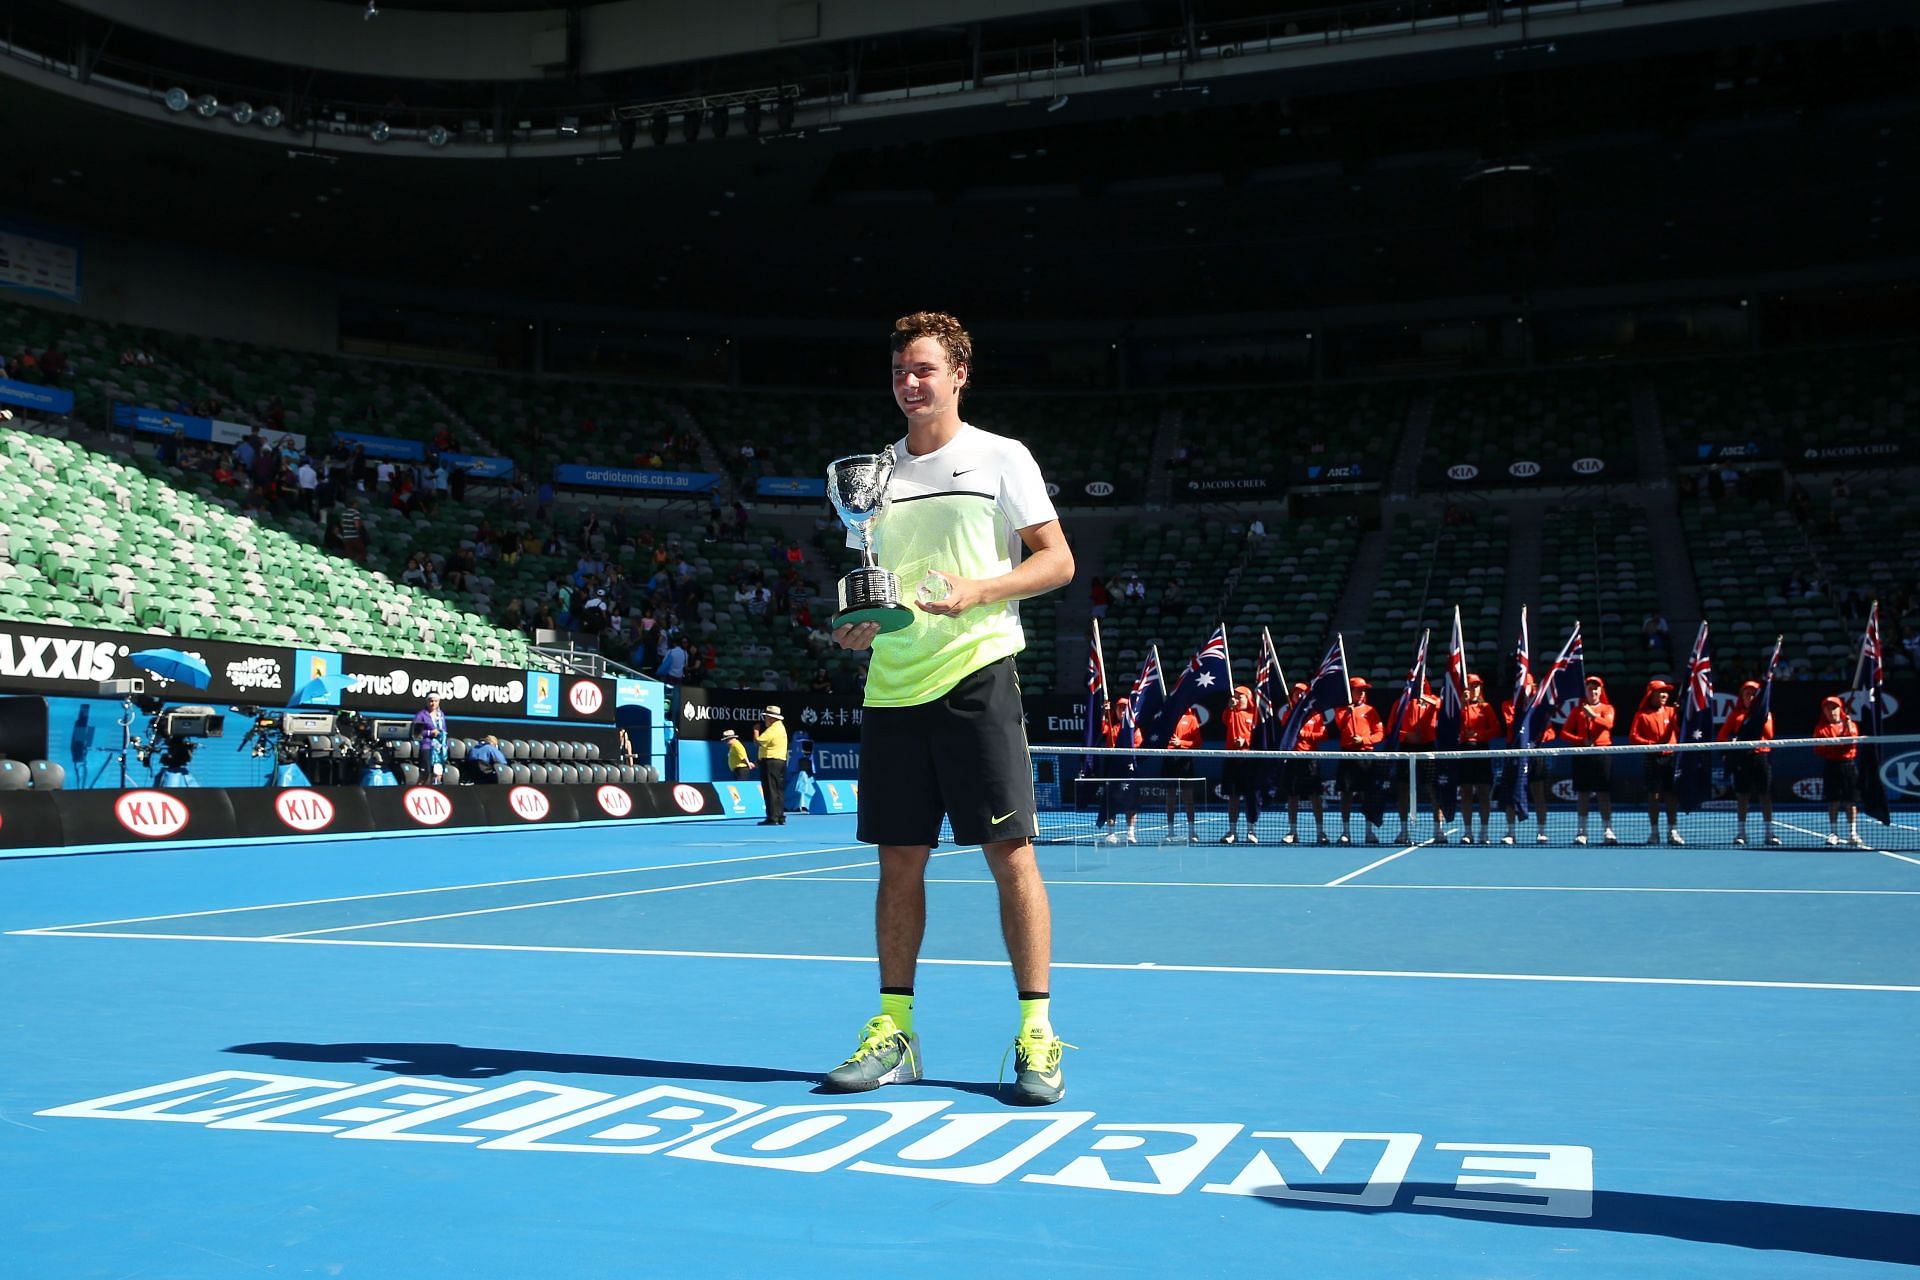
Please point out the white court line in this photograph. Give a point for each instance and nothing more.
(1381, 863)
(454, 888)
(1491, 888)
(555, 902)
(1885, 853)
(1144, 966)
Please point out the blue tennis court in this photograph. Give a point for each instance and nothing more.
(411, 1056)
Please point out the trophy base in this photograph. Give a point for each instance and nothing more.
(888, 617)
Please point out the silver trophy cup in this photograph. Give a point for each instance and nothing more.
(857, 488)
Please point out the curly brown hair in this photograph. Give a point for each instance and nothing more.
(942, 328)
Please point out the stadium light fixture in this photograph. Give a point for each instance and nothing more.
(177, 99)
(270, 117)
(719, 120)
(207, 105)
(437, 136)
(243, 113)
(569, 125)
(381, 131)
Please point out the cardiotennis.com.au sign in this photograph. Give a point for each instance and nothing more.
(925, 1139)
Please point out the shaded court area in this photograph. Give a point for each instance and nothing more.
(420, 1056)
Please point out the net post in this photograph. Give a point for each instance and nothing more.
(1412, 812)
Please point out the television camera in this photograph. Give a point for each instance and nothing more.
(172, 734)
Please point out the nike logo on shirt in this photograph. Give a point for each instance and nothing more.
(968, 471)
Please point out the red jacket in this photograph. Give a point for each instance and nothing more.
(1359, 726)
(1312, 733)
(1653, 725)
(1479, 723)
(1737, 717)
(1186, 733)
(1240, 728)
(1589, 726)
(1845, 729)
(1422, 720)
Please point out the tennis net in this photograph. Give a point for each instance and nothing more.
(1716, 795)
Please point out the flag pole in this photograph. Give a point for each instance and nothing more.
(1341, 639)
(1860, 663)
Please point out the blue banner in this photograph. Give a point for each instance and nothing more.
(575, 473)
(385, 446)
(543, 694)
(29, 396)
(162, 423)
(480, 468)
(791, 487)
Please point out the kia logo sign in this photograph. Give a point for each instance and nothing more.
(1524, 470)
(153, 814)
(303, 810)
(614, 802)
(426, 806)
(1810, 788)
(1589, 466)
(1462, 471)
(689, 798)
(1099, 489)
(1901, 774)
(528, 803)
(585, 697)
(1053, 490)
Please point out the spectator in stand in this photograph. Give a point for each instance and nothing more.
(673, 661)
(352, 531)
(821, 681)
(1840, 770)
(1100, 597)
(1591, 725)
(739, 520)
(1359, 727)
(738, 767)
(1657, 722)
(53, 365)
(1753, 767)
(308, 481)
(1655, 632)
(1135, 591)
(1301, 778)
(486, 761)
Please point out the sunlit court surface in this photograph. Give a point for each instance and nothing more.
(596, 1052)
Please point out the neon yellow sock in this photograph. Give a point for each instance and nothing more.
(900, 1009)
(1033, 1013)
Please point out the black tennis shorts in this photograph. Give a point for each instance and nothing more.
(1303, 779)
(1842, 781)
(1753, 773)
(1656, 772)
(962, 756)
(1592, 773)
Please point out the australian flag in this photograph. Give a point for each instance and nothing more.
(1096, 697)
(1208, 675)
(1566, 678)
(1755, 725)
(1149, 695)
(1446, 729)
(1873, 787)
(1326, 691)
(1416, 676)
(1269, 694)
(1522, 683)
(1693, 775)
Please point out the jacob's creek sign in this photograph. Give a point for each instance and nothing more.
(923, 1139)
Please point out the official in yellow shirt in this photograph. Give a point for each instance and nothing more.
(736, 756)
(772, 740)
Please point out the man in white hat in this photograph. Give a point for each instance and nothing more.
(772, 740)
(736, 756)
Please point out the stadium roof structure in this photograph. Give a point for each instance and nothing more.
(1252, 158)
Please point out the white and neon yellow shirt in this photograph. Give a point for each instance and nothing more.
(958, 509)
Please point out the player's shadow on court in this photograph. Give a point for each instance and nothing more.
(463, 1062)
(1868, 1234)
